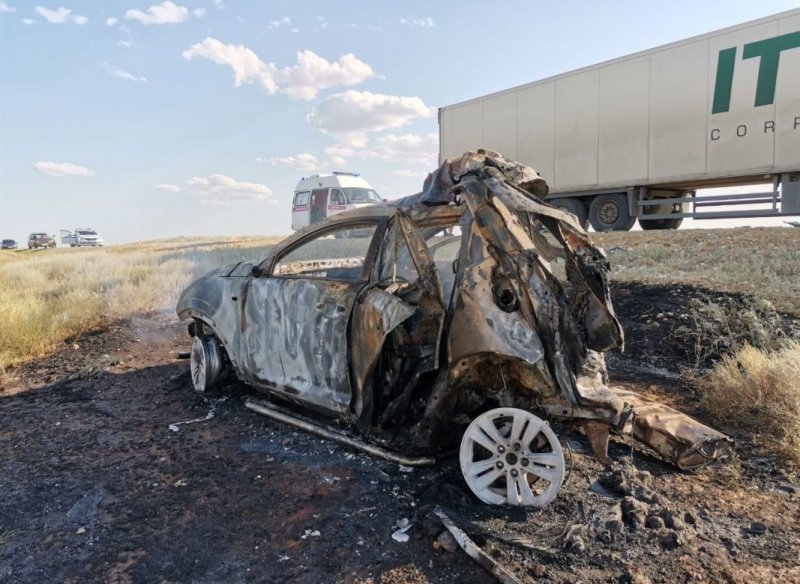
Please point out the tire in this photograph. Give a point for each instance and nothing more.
(653, 224)
(205, 363)
(660, 223)
(610, 213)
(576, 207)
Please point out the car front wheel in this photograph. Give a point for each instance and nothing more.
(205, 363)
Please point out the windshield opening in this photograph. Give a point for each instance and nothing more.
(87, 232)
(361, 195)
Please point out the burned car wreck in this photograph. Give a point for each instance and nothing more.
(441, 318)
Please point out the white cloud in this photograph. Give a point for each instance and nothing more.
(111, 21)
(405, 173)
(62, 169)
(6, 8)
(313, 73)
(164, 13)
(285, 21)
(340, 150)
(222, 190)
(28, 21)
(60, 16)
(304, 80)
(219, 4)
(122, 74)
(125, 44)
(350, 115)
(247, 67)
(420, 149)
(168, 188)
(199, 12)
(426, 22)
(304, 161)
(414, 149)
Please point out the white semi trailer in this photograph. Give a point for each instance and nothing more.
(635, 137)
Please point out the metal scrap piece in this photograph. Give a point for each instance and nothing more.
(687, 443)
(475, 552)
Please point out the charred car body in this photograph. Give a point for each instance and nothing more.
(445, 313)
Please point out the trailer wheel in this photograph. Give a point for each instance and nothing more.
(610, 213)
(576, 207)
(660, 223)
(652, 224)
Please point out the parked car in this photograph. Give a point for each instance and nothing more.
(8, 244)
(81, 237)
(446, 321)
(41, 240)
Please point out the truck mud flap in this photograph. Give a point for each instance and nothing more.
(677, 437)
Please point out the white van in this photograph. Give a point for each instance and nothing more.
(321, 196)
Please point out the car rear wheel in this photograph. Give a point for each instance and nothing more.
(205, 362)
(511, 457)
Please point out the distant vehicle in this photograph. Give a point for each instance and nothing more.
(81, 237)
(635, 138)
(8, 244)
(41, 240)
(320, 196)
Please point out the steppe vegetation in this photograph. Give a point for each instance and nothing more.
(757, 391)
(49, 296)
(763, 262)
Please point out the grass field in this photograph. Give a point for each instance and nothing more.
(762, 261)
(51, 295)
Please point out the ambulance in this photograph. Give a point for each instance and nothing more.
(319, 196)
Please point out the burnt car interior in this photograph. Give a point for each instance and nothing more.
(437, 319)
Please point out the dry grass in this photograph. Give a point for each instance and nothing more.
(757, 391)
(49, 296)
(762, 261)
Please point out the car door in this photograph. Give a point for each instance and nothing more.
(407, 290)
(295, 320)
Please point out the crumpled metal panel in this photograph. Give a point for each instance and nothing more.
(375, 316)
(687, 443)
(294, 338)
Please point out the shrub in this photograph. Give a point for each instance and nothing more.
(758, 391)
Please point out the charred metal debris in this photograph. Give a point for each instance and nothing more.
(474, 301)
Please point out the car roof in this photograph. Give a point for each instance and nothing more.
(419, 213)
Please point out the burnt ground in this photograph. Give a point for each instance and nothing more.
(96, 487)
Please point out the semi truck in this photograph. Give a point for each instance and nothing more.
(635, 138)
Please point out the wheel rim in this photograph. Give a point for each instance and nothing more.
(198, 364)
(609, 213)
(511, 457)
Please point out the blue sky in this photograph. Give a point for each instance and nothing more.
(150, 119)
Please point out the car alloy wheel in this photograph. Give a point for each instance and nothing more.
(205, 363)
(511, 457)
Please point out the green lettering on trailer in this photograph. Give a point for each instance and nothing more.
(770, 52)
(724, 81)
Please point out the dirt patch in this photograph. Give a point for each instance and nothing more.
(679, 326)
(98, 488)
